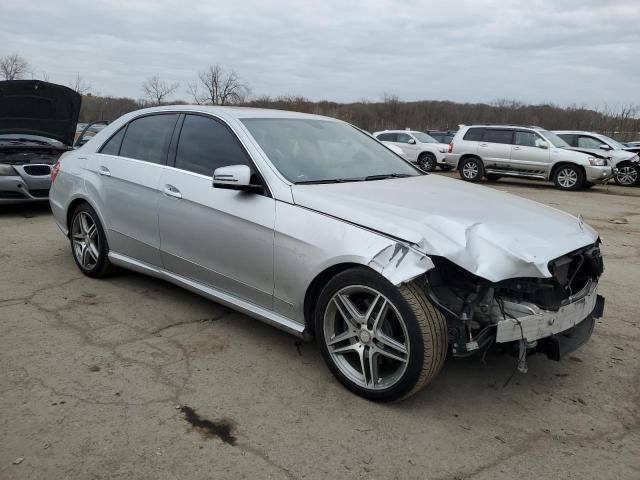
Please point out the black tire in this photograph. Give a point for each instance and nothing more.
(426, 333)
(471, 169)
(98, 267)
(627, 174)
(427, 162)
(568, 177)
(493, 177)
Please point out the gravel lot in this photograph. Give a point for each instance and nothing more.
(106, 379)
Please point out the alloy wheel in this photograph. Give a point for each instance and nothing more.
(567, 177)
(366, 337)
(470, 170)
(86, 241)
(627, 175)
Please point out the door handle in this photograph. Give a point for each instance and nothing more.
(516, 148)
(483, 144)
(171, 191)
(104, 171)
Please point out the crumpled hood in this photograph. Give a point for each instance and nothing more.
(33, 107)
(492, 234)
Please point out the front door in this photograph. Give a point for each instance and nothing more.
(220, 238)
(526, 156)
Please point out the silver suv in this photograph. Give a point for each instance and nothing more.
(494, 151)
(625, 163)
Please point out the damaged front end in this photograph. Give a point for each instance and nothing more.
(550, 315)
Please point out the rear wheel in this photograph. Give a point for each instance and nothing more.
(472, 169)
(89, 243)
(568, 177)
(427, 162)
(380, 341)
(627, 174)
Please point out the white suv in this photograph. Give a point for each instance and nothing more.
(625, 163)
(418, 147)
(494, 151)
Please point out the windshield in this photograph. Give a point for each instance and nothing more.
(424, 138)
(308, 151)
(555, 140)
(611, 142)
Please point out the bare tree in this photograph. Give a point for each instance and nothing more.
(79, 84)
(219, 87)
(13, 67)
(157, 90)
(46, 76)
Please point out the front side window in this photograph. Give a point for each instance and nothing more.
(206, 144)
(147, 138)
(424, 138)
(403, 138)
(497, 136)
(306, 150)
(525, 139)
(554, 139)
(589, 142)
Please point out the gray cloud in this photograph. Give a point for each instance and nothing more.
(563, 51)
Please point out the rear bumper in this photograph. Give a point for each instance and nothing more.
(17, 189)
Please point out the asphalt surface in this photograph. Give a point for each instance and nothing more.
(134, 378)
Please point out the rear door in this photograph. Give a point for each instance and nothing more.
(124, 183)
(217, 237)
(495, 147)
(526, 156)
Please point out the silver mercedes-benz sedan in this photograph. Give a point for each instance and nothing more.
(309, 224)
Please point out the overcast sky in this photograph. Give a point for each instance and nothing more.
(561, 51)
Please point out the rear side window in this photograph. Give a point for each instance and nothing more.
(147, 138)
(387, 137)
(474, 134)
(112, 147)
(497, 136)
(206, 144)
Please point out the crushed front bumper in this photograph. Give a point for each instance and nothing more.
(556, 333)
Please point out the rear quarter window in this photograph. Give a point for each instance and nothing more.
(497, 136)
(474, 134)
(112, 147)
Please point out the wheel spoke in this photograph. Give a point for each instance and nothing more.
(93, 251)
(348, 310)
(341, 337)
(84, 225)
(91, 232)
(391, 348)
(361, 353)
(351, 348)
(373, 366)
(84, 254)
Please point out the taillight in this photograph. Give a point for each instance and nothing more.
(55, 170)
(451, 147)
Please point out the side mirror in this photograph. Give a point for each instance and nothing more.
(605, 147)
(235, 177)
(541, 143)
(412, 141)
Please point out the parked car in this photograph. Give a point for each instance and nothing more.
(419, 147)
(494, 151)
(37, 125)
(309, 224)
(625, 163)
(442, 136)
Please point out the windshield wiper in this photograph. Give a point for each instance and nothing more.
(386, 175)
(328, 180)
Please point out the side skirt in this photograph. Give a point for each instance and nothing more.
(255, 311)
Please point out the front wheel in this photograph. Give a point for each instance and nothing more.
(627, 174)
(568, 177)
(472, 169)
(427, 162)
(380, 341)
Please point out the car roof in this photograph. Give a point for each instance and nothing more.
(576, 131)
(497, 125)
(234, 112)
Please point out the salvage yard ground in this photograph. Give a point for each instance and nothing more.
(134, 378)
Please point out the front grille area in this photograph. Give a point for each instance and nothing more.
(9, 194)
(37, 170)
(43, 193)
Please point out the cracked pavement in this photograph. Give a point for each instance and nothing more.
(95, 372)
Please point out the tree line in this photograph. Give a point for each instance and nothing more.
(217, 86)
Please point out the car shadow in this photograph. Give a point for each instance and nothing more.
(25, 210)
